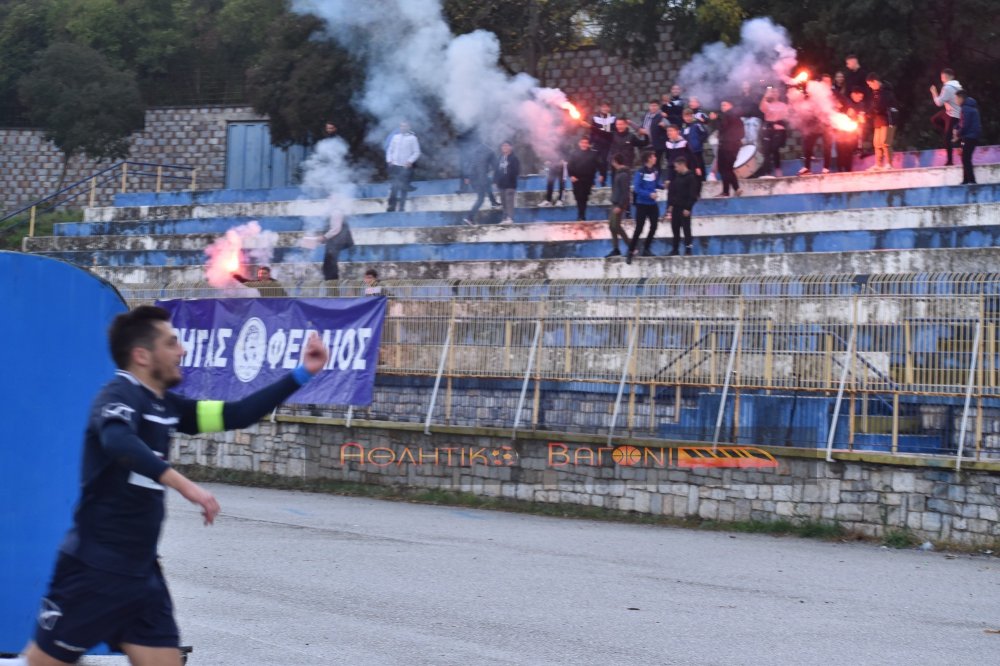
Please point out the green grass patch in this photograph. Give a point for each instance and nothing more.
(900, 539)
(10, 237)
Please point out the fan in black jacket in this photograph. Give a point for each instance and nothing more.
(682, 194)
(582, 166)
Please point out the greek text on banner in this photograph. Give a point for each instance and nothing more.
(238, 345)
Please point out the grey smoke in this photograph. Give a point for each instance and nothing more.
(764, 55)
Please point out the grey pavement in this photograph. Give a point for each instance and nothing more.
(290, 578)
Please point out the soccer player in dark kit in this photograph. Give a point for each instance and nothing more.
(107, 585)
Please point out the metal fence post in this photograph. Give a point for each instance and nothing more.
(124, 176)
(621, 384)
(968, 395)
(437, 380)
(848, 355)
(737, 334)
(527, 378)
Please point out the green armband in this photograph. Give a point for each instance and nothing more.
(210, 416)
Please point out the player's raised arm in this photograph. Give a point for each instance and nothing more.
(200, 416)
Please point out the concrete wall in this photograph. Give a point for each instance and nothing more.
(863, 495)
(30, 166)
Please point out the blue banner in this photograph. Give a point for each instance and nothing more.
(238, 345)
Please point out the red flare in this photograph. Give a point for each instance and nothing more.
(573, 111)
(843, 123)
(802, 77)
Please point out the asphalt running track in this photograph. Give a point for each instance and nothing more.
(287, 578)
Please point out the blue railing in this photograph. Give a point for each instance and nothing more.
(90, 184)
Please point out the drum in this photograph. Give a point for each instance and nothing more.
(748, 160)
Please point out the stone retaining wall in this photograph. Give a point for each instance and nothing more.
(860, 494)
(30, 165)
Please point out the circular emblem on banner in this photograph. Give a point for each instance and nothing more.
(250, 350)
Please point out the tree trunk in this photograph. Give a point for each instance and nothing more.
(532, 36)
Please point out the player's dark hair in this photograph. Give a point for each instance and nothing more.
(136, 328)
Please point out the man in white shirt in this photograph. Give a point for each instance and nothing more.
(401, 154)
(946, 120)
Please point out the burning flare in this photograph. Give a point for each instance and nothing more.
(573, 111)
(843, 123)
(802, 77)
(225, 256)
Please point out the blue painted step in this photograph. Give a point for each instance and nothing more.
(789, 203)
(826, 241)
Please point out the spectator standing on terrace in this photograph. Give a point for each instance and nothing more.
(337, 239)
(969, 131)
(696, 134)
(882, 112)
(677, 147)
(683, 193)
(673, 106)
(621, 200)
(265, 285)
(946, 119)
(854, 76)
(645, 183)
(654, 129)
(731, 133)
(505, 175)
(625, 143)
(400, 156)
(582, 167)
(372, 286)
(747, 105)
(480, 179)
(555, 172)
(775, 133)
(600, 137)
(107, 585)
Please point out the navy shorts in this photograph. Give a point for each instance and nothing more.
(86, 606)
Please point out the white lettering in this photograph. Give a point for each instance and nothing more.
(276, 348)
(346, 345)
(364, 335)
(221, 336)
(187, 338)
(200, 339)
(333, 348)
(295, 337)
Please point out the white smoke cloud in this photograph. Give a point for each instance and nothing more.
(763, 55)
(415, 68)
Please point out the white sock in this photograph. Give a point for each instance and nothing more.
(16, 661)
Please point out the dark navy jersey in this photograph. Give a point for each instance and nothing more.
(117, 522)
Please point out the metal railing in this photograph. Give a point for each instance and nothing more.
(887, 345)
(118, 173)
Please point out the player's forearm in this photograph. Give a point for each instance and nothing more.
(127, 450)
(217, 416)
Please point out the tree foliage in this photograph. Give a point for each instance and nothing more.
(301, 81)
(84, 104)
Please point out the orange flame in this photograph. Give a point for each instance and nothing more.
(802, 77)
(225, 256)
(843, 123)
(573, 111)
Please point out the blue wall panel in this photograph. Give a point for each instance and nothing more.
(54, 322)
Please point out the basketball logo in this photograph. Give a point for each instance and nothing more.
(626, 456)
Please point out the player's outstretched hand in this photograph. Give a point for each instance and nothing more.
(316, 355)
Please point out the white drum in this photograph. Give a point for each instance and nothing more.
(748, 160)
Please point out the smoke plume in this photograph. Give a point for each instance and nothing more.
(764, 55)
(228, 254)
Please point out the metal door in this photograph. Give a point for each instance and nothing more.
(252, 163)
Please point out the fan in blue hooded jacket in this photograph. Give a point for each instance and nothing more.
(969, 132)
(696, 134)
(645, 182)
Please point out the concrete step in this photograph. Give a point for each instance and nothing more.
(950, 260)
(790, 203)
(906, 160)
(704, 227)
(878, 187)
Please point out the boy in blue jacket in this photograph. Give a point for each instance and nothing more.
(696, 134)
(969, 131)
(645, 183)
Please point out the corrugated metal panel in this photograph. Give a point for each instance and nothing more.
(252, 163)
(53, 325)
